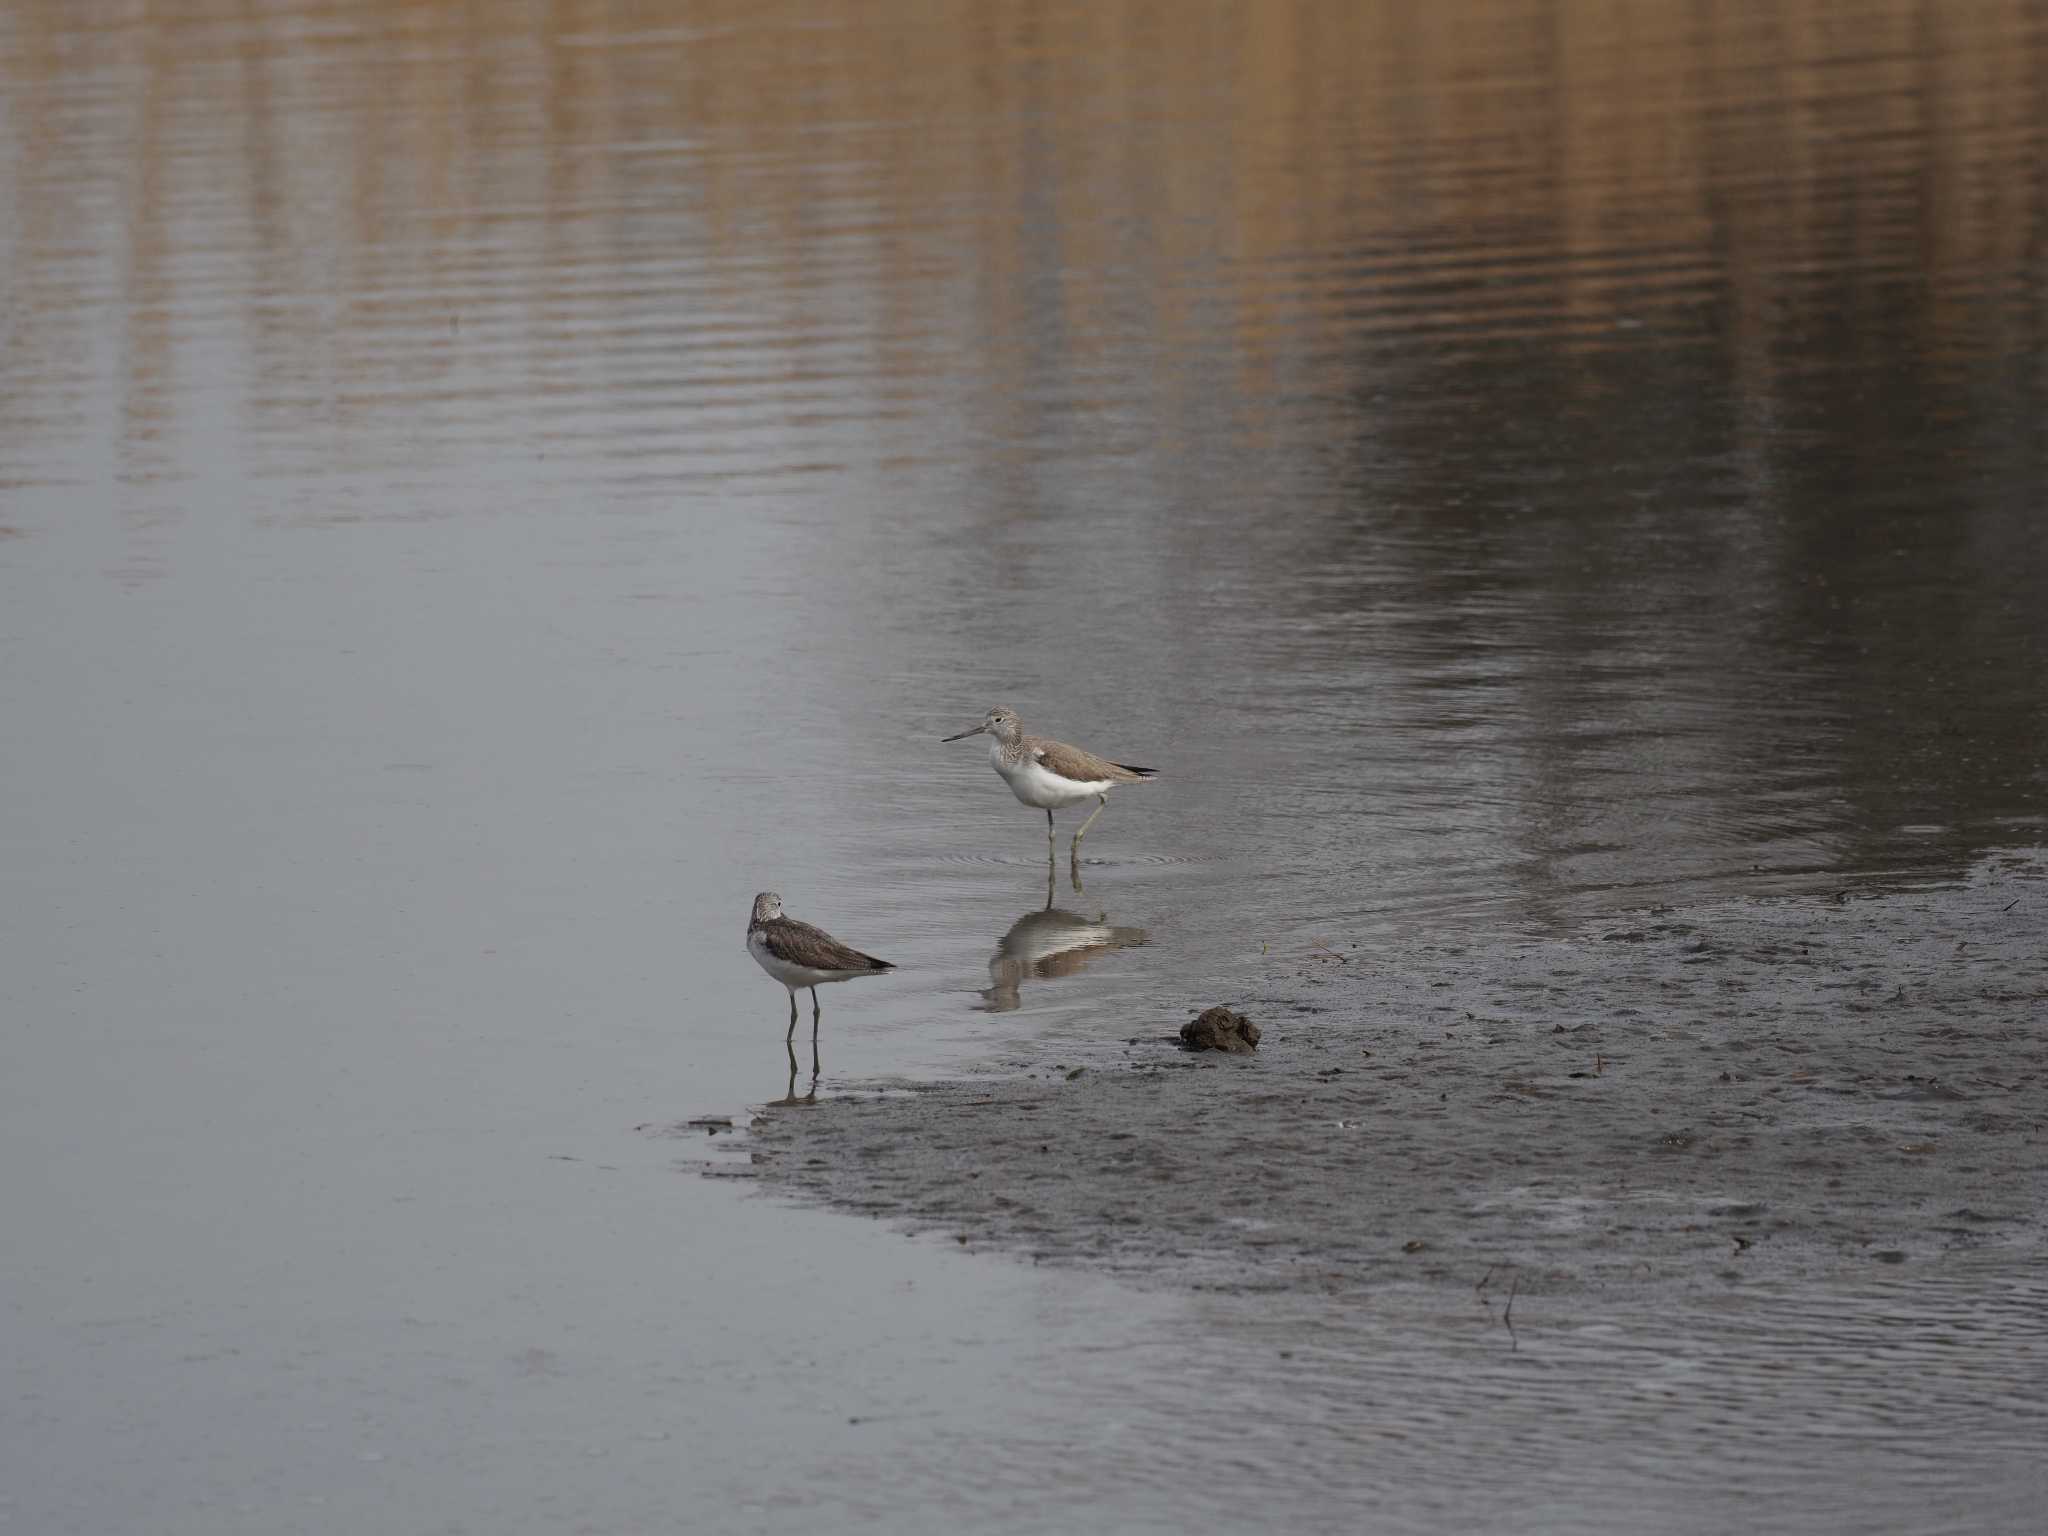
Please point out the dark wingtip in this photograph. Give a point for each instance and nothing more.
(1146, 773)
(880, 965)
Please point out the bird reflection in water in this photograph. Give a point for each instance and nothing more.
(792, 1098)
(1049, 942)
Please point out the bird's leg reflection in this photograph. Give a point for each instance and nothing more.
(1051, 874)
(789, 1096)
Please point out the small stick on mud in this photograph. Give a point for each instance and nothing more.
(2010, 905)
(1508, 1317)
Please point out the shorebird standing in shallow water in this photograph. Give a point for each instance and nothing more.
(798, 955)
(1046, 773)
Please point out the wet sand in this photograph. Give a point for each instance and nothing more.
(1830, 1089)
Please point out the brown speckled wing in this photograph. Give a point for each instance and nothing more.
(1084, 767)
(798, 943)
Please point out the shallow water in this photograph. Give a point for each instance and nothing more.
(482, 492)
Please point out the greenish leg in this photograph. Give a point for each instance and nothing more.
(1102, 802)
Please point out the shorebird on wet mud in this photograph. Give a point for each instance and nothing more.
(1046, 774)
(799, 955)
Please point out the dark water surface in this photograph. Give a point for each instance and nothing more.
(484, 489)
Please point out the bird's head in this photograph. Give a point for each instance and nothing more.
(1000, 722)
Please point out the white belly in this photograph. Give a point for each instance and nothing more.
(795, 977)
(1030, 782)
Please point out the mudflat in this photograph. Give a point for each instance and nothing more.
(1816, 1089)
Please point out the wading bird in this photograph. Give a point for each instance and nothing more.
(798, 955)
(1046, 774)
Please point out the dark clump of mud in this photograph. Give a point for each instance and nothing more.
(1220, 1029)
(1744, 1092)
